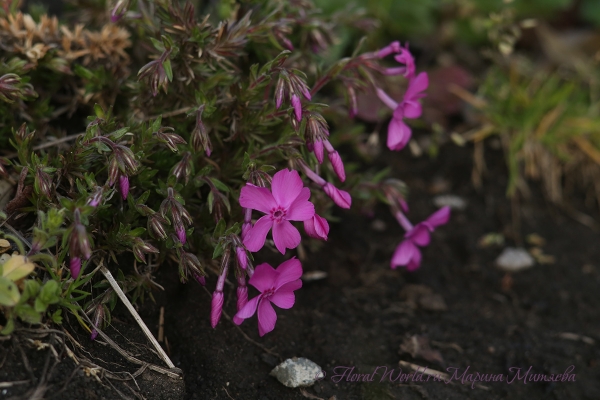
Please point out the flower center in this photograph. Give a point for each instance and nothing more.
(278, 214)
(268, 293)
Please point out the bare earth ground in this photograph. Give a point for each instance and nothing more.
(361, 314)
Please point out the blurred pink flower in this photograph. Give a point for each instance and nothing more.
(408, 253)
(398, 132)
(277, 286)
(287, 202)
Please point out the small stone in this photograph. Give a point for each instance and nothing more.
(433, 302)
(297, 372)
(314, 276)
(513, 260)
(450, 200)
(378, 225)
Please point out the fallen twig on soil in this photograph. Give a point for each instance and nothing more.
(174, 372)
(113, 283)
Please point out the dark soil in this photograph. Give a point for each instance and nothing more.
(361, 314)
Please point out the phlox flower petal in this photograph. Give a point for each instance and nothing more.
(257, 198)
(285, 236)
(266, 317)
(256, 236)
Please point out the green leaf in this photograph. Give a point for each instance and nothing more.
(50, 293)
(219, 229)
(211, 201)
(218, 251)
(143, 198)
(28, 314)
(137, 232)
(157, 44)
(9, 327)
(57, 316)
(99, 111)
(9, 293)
(219, 185)
(40, 306)
(31, 290)
(168, 69)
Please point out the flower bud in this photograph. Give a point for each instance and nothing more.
(189, 265)
(79, 243)
(98, 320)
(317, 227)
(156, 225)
(43, 182)
(113, 171)
(339, 197)
(241, 257)
(216, 308)
(181, 235)
(184, 168)
(96, 197)
(200, 279)
(242, 298)
(124, 186)
(75, 266)
(297, 107)
(169, 138)
(393, 47)
(337, 164)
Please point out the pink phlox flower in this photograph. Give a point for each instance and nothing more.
(399, 132)
(404, 57)
(276, 286)
(317, 227)
(286, 201)
(408, 253)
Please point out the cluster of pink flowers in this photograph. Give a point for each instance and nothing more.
(287, 199)
(399, 132)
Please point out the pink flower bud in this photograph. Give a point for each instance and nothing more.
(245, 228)
(242, 298)
(242, 257)
(180, 231)
(200, 279)
(297, 107)
(317, 227)
(216, 308)
(75, 266)
(95, 198)
(98, 320)
(124, 186)
(339, 197)
(393, 47)
(318, 149)
(337, 164)
(306, 93)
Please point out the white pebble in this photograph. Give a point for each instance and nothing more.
(454, 202)
(297, 372)
(513, 260)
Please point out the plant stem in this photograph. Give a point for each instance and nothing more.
(136, 316)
